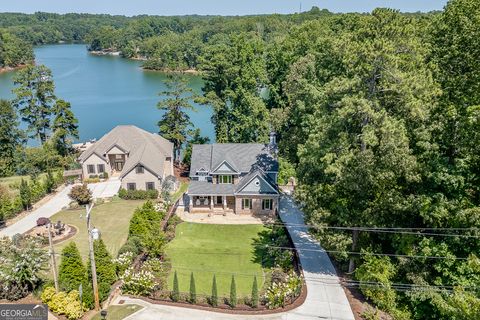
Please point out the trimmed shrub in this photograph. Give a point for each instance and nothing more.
(233, 293)
(214, 297)
(138, 194)
(255, 293)
(133, 244)
(62, 303)
(175, 296)
(193, 290)
(137, 283)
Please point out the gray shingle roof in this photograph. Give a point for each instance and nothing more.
(143, 147)
(196, 188)
(243, 157)
(257, 172)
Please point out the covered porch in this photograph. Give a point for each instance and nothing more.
(211, 203)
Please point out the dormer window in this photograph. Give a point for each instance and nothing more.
(225, 179)
(140, 169)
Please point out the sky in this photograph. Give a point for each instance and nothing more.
(212, 7)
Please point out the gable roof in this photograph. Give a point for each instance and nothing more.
(243, 157)
(251, 176)
(142, 147)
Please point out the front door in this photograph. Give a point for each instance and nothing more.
(219, 200)
(118, 165)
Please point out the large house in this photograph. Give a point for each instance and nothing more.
(239, 178)
(140, 159)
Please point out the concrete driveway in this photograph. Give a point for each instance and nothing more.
(325, 296)
(61, 200)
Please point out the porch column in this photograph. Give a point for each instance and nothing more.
(275, 206)
(224, 198)
(190, 204)
(211, 203)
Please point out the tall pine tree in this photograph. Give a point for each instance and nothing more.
(34, 99)
(10, 138)
(175, 122)
(65, 126)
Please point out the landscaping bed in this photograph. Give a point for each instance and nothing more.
(249, 277)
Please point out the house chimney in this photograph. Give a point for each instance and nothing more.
(272, 145)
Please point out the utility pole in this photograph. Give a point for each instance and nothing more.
(92, 259)
(52, 255)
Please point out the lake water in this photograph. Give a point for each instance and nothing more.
(107, 91)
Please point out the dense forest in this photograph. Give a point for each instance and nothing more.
(377, 114)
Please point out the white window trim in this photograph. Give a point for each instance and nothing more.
(220, 179)
(270, 204)
(244, 200)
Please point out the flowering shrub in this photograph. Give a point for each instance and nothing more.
(62, 303)
(21, 263)
(137, 283)
(280, 292)
(123, 262)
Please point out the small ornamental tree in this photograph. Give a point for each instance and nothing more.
(49, 182)
(193, 290)
(233, 293)
(81, 194)
(105, 268)
(176, 291)
(72, 272)
(25, 195)
(255, 293)
(214, 297)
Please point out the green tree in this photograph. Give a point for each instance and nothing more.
(196, 138)
(10, 138)
(175, 122)
(234, 73)
(106, 274)
(81, 194)
(72, 271)
(193, 290)
(233, 293)
(14, 51)
(255, 297)
(65, 125)
(214, 296)
(49, 182)
(175, 296)
(34, 99)
(25, 194)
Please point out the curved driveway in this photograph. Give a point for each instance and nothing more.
(325, 296)
(61, 200)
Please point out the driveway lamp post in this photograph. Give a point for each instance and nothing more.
(103, 314)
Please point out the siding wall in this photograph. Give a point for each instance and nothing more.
(140, 179)
(95, 160)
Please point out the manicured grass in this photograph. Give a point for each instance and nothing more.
(112, 219)
(183, 187)
(13, 182)
(223, 250)
(119, 312)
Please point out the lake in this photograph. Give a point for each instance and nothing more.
(107, 91)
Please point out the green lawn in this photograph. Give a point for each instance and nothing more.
(119, 312)
(13, 182)
(112, 219)
(183, 187)
(223, 250)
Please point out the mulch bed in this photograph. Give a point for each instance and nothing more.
(223, 308)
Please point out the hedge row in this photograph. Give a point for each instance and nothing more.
(138, 194)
